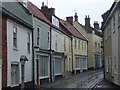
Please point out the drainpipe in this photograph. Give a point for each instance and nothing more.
(87, 55)
(72, 53)
(50, 54)
(33, 77)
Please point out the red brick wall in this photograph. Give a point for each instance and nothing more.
(0, 37)
(4, 53)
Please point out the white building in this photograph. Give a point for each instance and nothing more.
(16, 45)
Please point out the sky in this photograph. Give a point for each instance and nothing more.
(64, 8)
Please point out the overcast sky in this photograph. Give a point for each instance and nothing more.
(64, 8)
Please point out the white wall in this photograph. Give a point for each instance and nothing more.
(57, 36)
(14, 55)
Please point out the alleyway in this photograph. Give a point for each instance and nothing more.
(82, 80)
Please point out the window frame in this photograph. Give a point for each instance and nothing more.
(15, 45)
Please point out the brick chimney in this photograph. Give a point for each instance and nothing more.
(76, 17)
(96, 25)
(48, 12)
(70, 19)
(87, 21)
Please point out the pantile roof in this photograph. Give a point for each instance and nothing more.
(36, 11)
(72, 29)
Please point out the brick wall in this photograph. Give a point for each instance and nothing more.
(4, 53)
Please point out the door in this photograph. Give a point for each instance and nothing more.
(53, 70)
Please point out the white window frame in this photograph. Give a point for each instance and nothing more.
(78, 44)
(28, 42)
(38, 32)
(15, 37)
(40, 63)
(48, 39)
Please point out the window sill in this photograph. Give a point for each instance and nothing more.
(15, 49)
(15, 85)
(44, 77)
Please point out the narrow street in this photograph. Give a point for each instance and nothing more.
(82, 80)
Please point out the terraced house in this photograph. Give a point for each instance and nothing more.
(41, 45)
(111, 26)
(57, 55)
(16, 49)
(94, 37)
(79, 46)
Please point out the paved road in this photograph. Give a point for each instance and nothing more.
(82, 80)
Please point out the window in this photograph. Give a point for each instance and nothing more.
(95, 46)
(69, 46)
(15, 37)
(43, 66)
(107, 64)
(64, 44)
(58, 65)
(98, 47)
(77, 62)
(48, 39)
(114, 22)
(28, 43)
(79, 44)
(14, 74)
(75, 44)
(85, 46)
(38, 36)
(55, 44)
(82, 45)
(109, 31)
(119, 18)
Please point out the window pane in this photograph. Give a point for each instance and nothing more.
(43, 66)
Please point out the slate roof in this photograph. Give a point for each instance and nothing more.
(72, 29)
(36, 11)
(18, 11)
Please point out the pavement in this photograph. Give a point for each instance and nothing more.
(104, 84)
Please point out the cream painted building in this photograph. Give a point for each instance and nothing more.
(78, 46)
(94, 42)
(111, 26)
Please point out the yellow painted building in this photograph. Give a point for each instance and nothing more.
(78, 47)
(94, 42)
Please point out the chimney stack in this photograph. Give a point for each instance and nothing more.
(70, 19)
(87, 21)
(96, 25)
(76, 17)
(48, 12)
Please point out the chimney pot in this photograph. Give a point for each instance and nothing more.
(42, 4)
(76, 17)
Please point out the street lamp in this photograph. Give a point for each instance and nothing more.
(23, 59)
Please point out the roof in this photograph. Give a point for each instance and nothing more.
(36, 11)
(87, 28)
(72, 29)
(19, 11)
(91, 29)
(105, 16)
